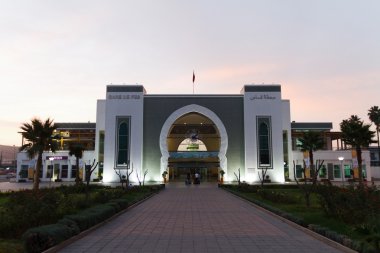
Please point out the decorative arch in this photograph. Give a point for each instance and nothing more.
(207, 113)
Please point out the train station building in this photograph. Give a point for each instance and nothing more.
(241, 134)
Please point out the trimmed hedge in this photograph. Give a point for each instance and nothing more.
(41, 238)
(92, 216)
(123, 203)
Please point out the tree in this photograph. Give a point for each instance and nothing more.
(311, 141)
(143, 177)
(237, 176)
(374, 116)
(123, 174)
(38, 136)
(89, 169)
(263, 172)
(358, 135)
(76, 150)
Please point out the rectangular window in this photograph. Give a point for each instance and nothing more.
(364, 171)
(73, 171)
(24, 171)
(264, 145)
(323, 172)
(337, 171)
(49, 171)
(347, 171)
(299, 171)
(101, 154)
(123, 130)
(57, 170)
(65, 170)
(286, 153)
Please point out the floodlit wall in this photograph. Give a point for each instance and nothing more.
(263, 102)
(123, 101)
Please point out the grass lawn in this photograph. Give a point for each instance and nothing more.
(312, 215)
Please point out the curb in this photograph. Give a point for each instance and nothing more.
(82, 234)
(317, 236)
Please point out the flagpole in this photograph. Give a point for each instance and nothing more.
(193, 81)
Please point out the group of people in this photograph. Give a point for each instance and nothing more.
(197, 179)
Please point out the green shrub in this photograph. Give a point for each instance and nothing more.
(25, 209)
(105, 195)
(41, 238)
(81, 220)
(11, 246)
(353, 205)
(277, 196)
(123, 203)
(92, 216)
(72, 225)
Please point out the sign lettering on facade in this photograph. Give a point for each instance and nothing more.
(56, 157)
(126, 96)
(265, 96)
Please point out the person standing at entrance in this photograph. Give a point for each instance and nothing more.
(197, 178)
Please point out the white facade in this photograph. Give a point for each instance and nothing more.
(254, 130)
(264, 103)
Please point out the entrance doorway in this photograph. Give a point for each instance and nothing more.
(179, 171)
(193, 144)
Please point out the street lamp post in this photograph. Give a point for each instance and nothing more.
(341, 158)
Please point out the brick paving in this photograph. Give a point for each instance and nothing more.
(197, 218)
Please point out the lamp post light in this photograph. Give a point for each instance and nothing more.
(341, 158)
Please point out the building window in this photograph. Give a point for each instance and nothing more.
(299, 171)
(49, 171)
(73, 171)
(101, 154)
(347, 171)
(323, 172)
(337, 172)
(65, 169)
(24, 171)
(264, 142)
(123, 139)
(286, 153)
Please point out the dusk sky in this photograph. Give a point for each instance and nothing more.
(56, 57)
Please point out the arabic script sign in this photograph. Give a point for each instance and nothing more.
(265, 96)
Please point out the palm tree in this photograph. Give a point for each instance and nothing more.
(77, 151)
(374, 116)
(311, 141)
(358, 135)
(38, 136)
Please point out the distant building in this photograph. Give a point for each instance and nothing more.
(8, 156)
(251, 131)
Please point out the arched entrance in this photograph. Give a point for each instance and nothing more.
(193, 138)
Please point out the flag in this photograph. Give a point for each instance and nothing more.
(193, 76)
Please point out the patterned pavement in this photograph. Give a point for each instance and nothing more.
(197, 218)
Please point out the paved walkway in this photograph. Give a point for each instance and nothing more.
(197, 218)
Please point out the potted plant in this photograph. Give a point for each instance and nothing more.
(164, 175)
(221, 175)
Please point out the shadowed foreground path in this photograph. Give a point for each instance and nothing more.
(197, 218)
